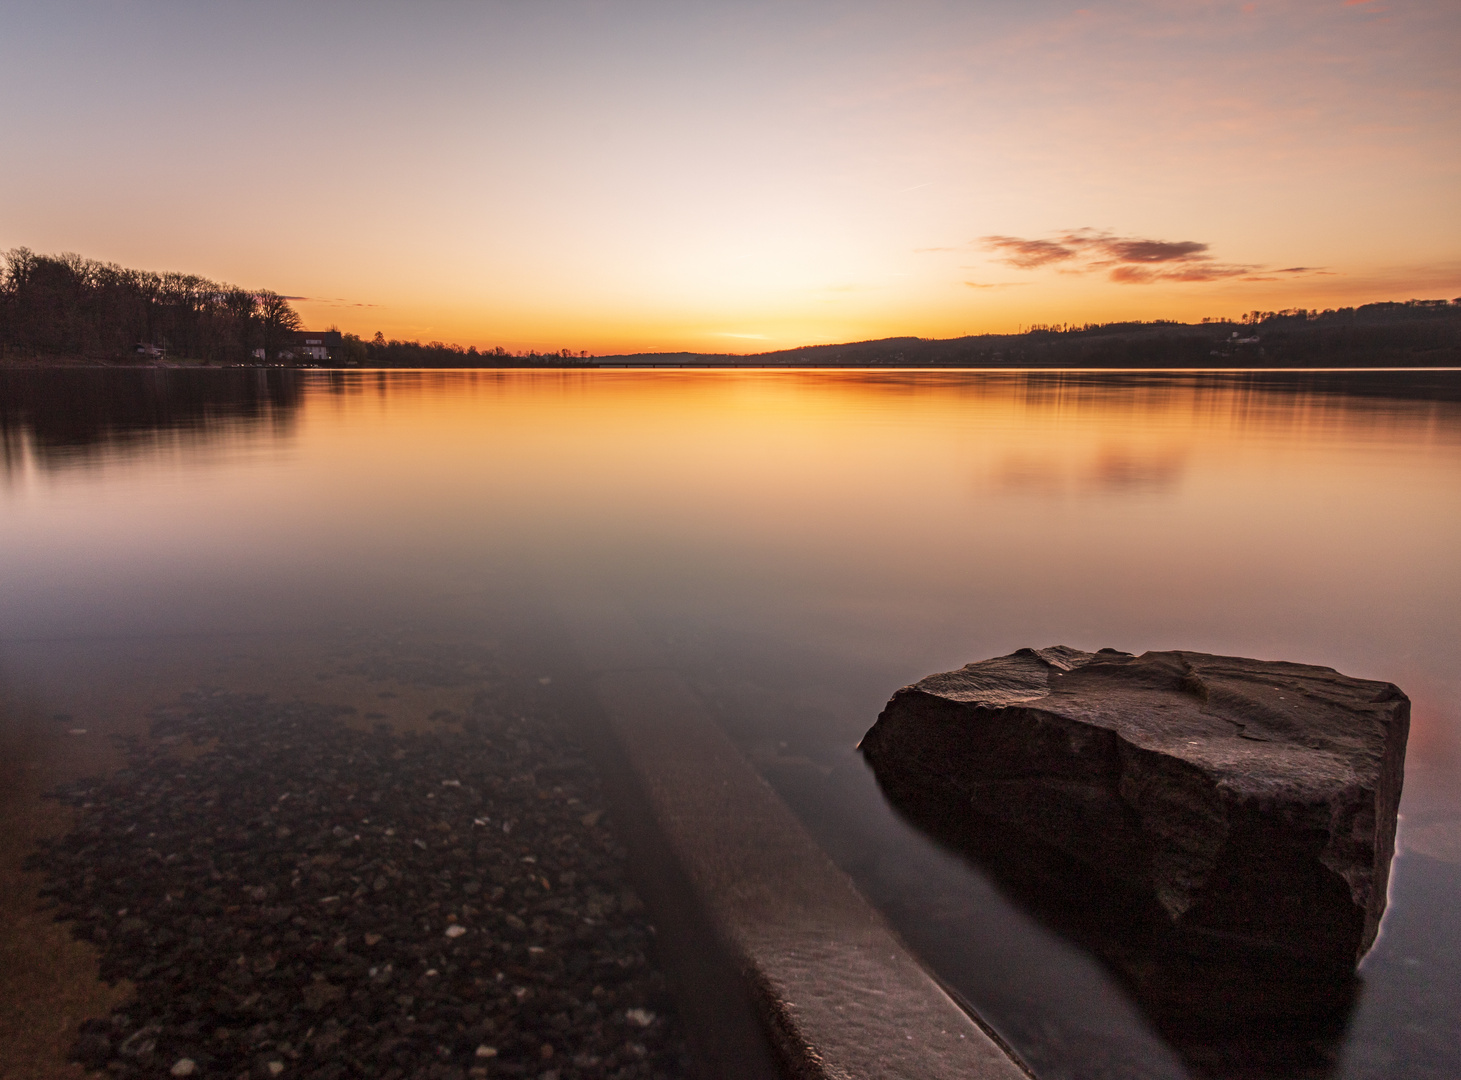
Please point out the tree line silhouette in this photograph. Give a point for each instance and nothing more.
(378, 352)
(67, 305)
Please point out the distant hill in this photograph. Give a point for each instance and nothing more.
(1416, 333)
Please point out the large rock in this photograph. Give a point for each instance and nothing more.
(1250, 805)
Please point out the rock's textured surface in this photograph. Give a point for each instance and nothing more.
(1253, 802)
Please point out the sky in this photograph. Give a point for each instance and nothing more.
(743, 176)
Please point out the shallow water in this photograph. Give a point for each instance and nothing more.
(801, 544)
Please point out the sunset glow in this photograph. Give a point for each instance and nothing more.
(743, 177)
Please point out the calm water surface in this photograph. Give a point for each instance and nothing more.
(801, 544)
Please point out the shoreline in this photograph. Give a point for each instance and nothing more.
(71, 364)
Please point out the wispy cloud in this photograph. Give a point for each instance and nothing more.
(995, 284)
(1126, 260)
(330, 302)
(1029, 254)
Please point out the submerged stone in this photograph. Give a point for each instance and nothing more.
(1243, 808)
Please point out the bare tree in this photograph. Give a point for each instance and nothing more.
(277, 322)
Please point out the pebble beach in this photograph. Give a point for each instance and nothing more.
(298, 889)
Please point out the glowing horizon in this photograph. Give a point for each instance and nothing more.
(743, 178)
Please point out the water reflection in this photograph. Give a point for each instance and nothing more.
(1111, 469)
(1230, 1012)
(69, 417)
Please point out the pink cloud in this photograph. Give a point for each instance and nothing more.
(1127, 260)
(1028, 254)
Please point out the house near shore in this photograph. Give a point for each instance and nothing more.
(310, 345)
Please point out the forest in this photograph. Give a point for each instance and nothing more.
(69, 306)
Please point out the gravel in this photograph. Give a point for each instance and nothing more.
(293, 895)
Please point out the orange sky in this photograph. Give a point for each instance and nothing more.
(744, 176)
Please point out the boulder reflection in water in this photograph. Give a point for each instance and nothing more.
(1230, 1010)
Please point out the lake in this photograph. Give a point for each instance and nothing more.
(800, 544)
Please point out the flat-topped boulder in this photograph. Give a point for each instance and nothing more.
(1250, 804)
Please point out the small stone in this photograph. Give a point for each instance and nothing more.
(639, 1017)
(275, 1067)
(455, 930)
(93, 1049)
(485, 1051)
(318, 995)
(184, 1067)
(372, 939)
(140, 1043)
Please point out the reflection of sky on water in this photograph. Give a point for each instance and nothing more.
(1112, 469)
(878, 525)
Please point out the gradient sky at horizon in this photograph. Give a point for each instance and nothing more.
(739, 176)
